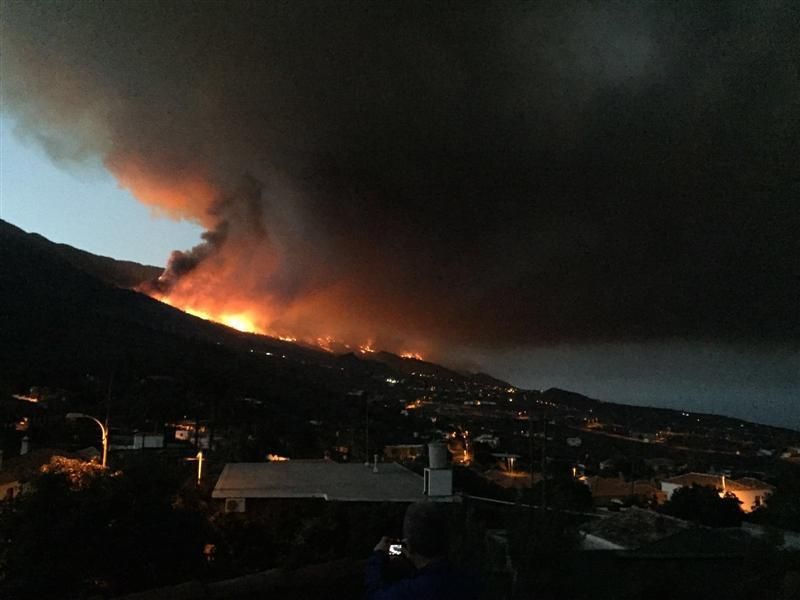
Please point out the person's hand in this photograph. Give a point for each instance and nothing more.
(383, 545)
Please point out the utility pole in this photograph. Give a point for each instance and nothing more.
(529, 397)
(544, 460)
(366, 433)
(108, 398)
(632, 457)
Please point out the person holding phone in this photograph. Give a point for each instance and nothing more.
(425, 545)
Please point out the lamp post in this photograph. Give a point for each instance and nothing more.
(103, 430)
(199, 458)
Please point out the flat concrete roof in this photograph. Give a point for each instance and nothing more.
(343, 482)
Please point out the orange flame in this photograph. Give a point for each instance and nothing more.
(241, 321)
(252, 321)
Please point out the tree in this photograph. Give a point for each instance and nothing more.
(82, 529)
(563, 492)
(782, 508)
(702, 504)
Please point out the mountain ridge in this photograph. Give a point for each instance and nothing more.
(64, 311)
(47, 283)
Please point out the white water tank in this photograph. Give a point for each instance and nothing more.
(437, 455)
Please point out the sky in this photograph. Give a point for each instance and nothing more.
(597, 195)
(82, 205)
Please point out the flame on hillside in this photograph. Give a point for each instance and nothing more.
(366, 348)
(242, 321)
(249, 321)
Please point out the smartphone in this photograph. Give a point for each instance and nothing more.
(395, 549)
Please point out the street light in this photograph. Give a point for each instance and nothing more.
(103, 430)
(199, 458)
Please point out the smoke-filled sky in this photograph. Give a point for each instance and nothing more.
(462, 178)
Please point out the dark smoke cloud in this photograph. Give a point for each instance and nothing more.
(486, 173)
(243, 207)
(181, 262)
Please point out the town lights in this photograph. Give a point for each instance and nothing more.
(73, 416)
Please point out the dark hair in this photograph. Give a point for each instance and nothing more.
(425, 529)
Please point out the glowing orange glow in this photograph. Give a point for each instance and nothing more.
(241, 321)
(177, 195)
(195, 313)
(237, 274)
(78, 473)
(207, 293)
(326, 343)
(25, 398)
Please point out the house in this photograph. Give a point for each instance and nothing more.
(138, 440)
(403, 452)
(242, 484)
(648, 437)
(660, 465)
(608, 491)
(192, 432)
(487, 438)
(751, 492)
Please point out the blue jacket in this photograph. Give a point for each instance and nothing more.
(437, 581)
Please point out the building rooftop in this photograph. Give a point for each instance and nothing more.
(716, 481)
(616, 487)
(343, 482)
(703, 541)
(634, 528)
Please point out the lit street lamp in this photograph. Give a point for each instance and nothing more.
(103, 430)
(199, 458)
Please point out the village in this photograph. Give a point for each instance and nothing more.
(416, 431)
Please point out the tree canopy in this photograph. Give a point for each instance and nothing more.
(703, 504)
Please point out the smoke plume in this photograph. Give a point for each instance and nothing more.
(428, 174)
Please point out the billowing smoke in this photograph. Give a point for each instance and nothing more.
(439, 173)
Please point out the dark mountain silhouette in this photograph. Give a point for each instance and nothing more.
(65, 314)
(58, 317)
(122, 273)
(64, 311)
(407, 366)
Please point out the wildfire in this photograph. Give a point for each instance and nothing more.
(366, 348)
(325, 343)
(254, 322)
(241, 321)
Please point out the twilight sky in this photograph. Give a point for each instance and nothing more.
(81, 205)
(604, 195)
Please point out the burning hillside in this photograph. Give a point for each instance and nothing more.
(249, 320)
